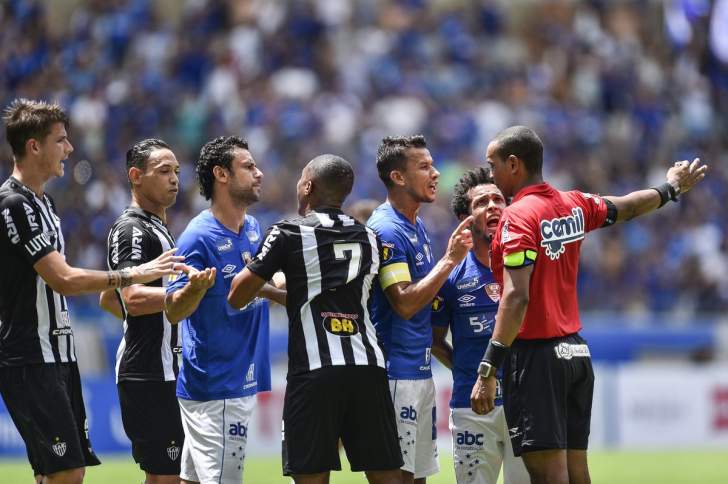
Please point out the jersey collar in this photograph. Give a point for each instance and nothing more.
(542, 187)
(140, 212)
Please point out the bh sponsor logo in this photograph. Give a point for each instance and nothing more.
(340, 324)
(558, 232)
(238, 431)
(469, 440)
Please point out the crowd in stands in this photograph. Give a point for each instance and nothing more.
(615, 99)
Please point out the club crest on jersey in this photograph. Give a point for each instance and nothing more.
(387, 250)
(437, 304)
(340, 324)
(493, 291)
(558, 232)
(173, 451)
(252, 236)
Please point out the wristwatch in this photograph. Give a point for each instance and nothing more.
(485, 369)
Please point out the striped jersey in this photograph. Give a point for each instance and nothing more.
(330, 261)
(150, 347)
(34, 323)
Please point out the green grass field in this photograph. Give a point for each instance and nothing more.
(607, 468)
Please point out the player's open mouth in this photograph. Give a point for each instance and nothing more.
(492, 221)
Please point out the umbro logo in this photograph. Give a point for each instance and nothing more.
(466, 298)
(229, 271)
(419, 257)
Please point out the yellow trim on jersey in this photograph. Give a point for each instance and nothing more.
(394, 273)
(518, 259)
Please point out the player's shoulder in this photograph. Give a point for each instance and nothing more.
(199, 228)
(12, 195)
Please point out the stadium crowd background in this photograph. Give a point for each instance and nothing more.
(617, 91)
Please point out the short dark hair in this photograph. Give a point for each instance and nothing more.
(391, 154)
(524, 143)
(460, 202)
(218, 152)
(333, 177)
(25, 119)
(138, 154)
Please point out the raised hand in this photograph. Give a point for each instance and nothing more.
(685, 175)
(200, 280)
(461, 241)
(166, 264)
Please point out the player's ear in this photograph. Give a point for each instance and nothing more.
(32, 146)
(396, 177)
(135, 175)
(220, 173)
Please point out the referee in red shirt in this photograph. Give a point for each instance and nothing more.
(548, 377)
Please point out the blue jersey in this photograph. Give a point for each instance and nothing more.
(406, 256)
(224, 350)
(467, 303)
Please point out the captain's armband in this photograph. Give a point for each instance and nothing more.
(394, 273)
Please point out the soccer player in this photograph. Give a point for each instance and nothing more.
(548, 378)
(147, 361)
(39, 379)
(337, 382)
(409, 280)
(225, 360)
(466, 305)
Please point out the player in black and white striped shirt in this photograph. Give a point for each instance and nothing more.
(39, 379)
(337, 384)
(148, 358)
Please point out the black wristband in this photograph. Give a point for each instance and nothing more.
(667, 192)
(496, 353)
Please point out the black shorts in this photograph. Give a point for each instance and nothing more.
(547, 394)
(348, 402)
(150, 413)
(46, 405)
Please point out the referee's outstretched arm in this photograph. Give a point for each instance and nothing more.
(681, 177)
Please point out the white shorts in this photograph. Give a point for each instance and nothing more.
(480, 444)
(215, 436)
(414, 408)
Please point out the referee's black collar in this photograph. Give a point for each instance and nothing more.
(140, 212)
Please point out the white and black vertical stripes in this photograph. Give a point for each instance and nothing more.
(54, 328)
(149, 349)
(309, 251)
(330, 262)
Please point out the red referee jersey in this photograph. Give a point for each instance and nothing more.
(551, 224)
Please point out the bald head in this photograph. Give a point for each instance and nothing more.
(332, 178)
(524, 143)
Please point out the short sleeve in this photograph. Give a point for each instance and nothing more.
(271, 254)
(193, 248)
(21, 224)
(127, 246)
(594, 208)
(441, 311)
(393, 256)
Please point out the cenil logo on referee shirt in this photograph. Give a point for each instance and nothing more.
(558, 232)
(340, 324)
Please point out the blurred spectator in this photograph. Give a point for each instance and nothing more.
(618, 90)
